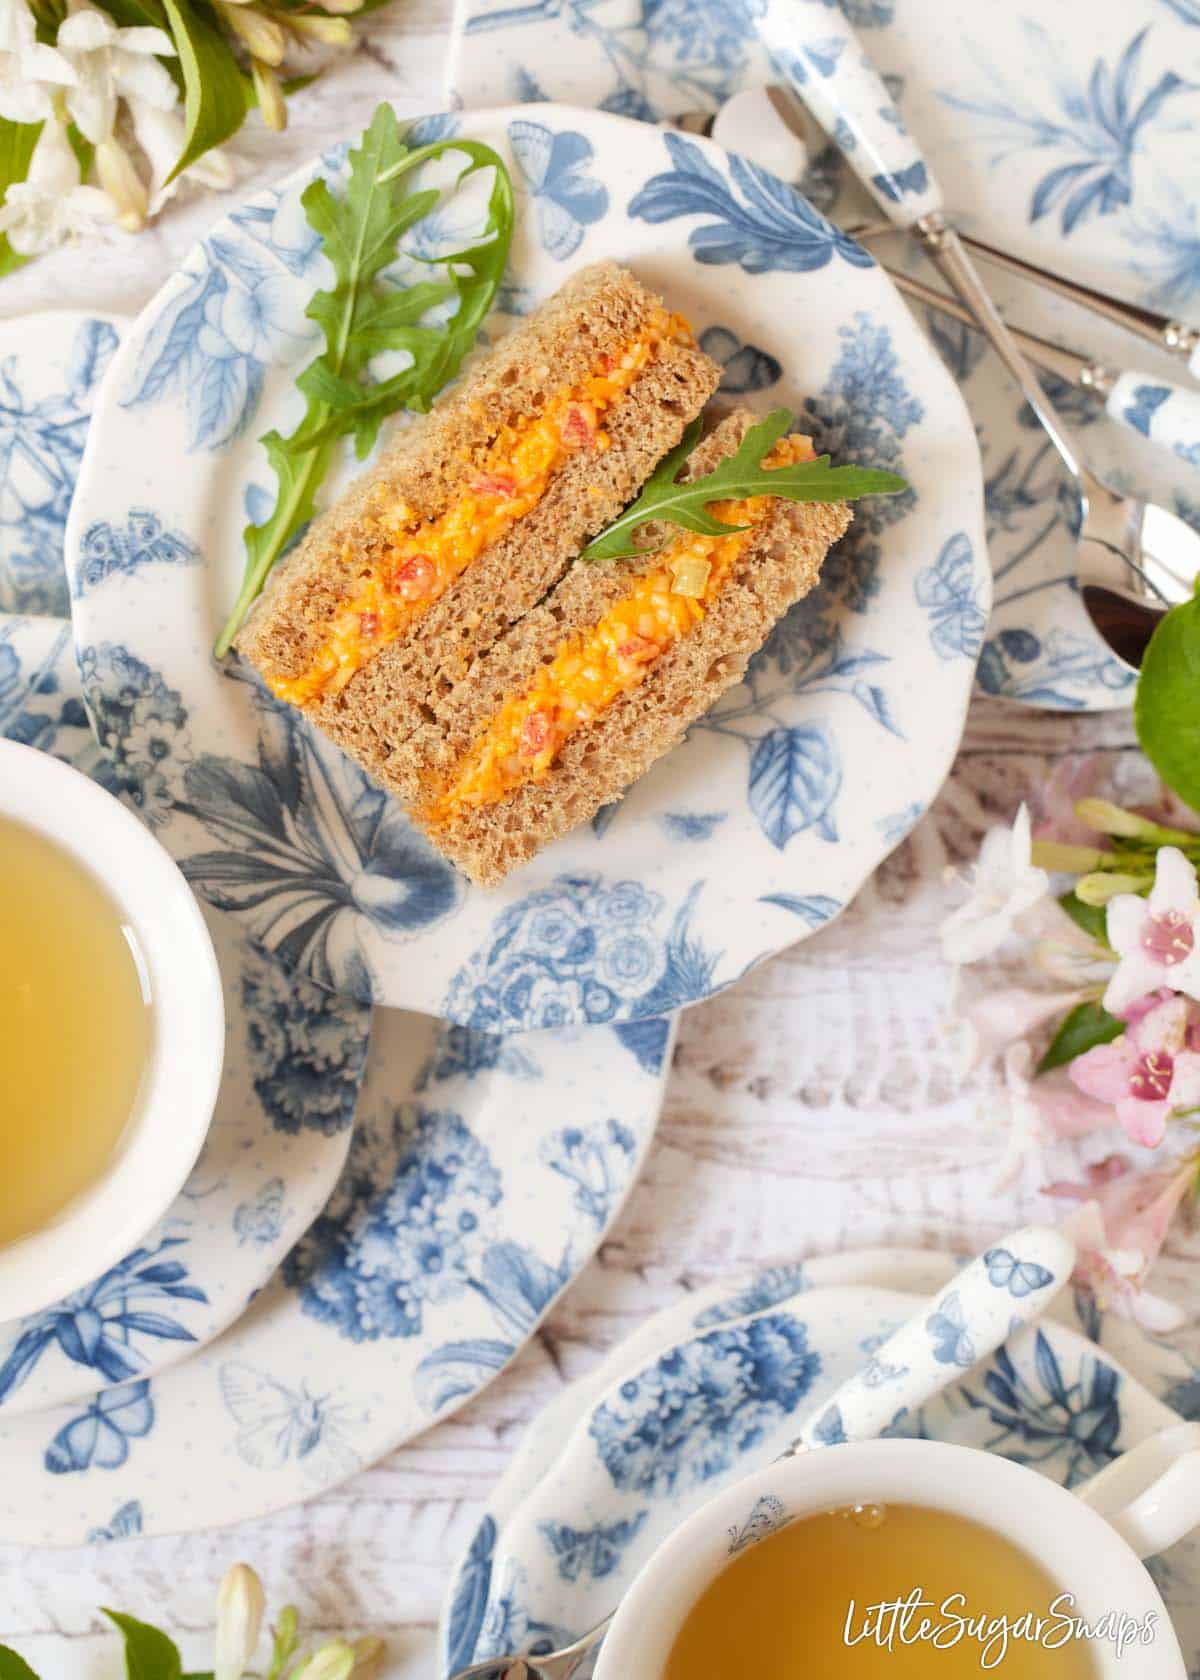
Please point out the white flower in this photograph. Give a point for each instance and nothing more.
(1004, 884)
(240, 1606)
(1156, 938)
(29, 69)
(160, 134)
(51, 206)
(111, 64)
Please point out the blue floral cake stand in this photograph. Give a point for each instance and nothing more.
(715, 1386)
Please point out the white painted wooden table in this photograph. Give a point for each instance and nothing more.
(811, 1107)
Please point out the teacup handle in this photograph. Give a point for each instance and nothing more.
(1151, 1494)
(1007, 1286)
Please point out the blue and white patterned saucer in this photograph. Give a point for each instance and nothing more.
(482, 1176)
(294, 1061)
(787, 794)
(715, 1386)
(1064, 134)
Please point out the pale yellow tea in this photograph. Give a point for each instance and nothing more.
(75, 1029)
(815, 1598)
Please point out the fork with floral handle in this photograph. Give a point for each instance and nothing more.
(1006, 1287)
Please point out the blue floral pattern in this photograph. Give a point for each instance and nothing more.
(105, 1326)
(949, 592)
(1098, 126)
(554, 164)
(759, 222)
(307, 1049)
(41, 446)
(1037, 1419)
(745, 368)
(593, 1552)
(581, 950)
(107, 550)
(224, 326)
(684, 1419)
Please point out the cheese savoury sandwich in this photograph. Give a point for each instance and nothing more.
(475, 511)
(458, 626)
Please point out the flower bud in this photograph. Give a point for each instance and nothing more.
(285, 1636)
(122, 183)
(1098, 889)
(270, 96)
(333, 1661)
(240, 1605)
(340, 7)
(261, 34)
(1107, 818)
(369, 1653)
(329, 31)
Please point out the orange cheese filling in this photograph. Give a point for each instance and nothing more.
(595, 666)
(423, 557)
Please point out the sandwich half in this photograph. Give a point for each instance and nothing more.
(474, 512)
(602, 677)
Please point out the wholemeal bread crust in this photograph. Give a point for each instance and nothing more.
(598, 311)
(778, 566)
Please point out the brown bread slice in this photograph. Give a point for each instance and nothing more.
(597, 312)
(597, 764)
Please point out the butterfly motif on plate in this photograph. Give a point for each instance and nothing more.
(949, 592)
(952, 1344)
(99, 1437)
(1019, 1277)
(278, 1425)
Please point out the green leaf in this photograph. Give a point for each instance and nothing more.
(1087, 1025)
(739, 475)
(214, 95)
(1092, 918)
(14, 1666)
(17, 141)
(1166, 708)
(149, 1653)
(360, 316)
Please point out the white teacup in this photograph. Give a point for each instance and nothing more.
(1095, 1558)
(163, 1137)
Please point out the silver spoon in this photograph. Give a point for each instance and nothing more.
(1135, 559)
(1009, 1285)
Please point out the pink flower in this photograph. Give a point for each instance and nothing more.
(1148, 1073)
(1156, 938)
(997, 1019)
(1119, 1228)
(1055, 800)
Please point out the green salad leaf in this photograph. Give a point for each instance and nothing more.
(1166, 708)
(663, 497)
(361, 316)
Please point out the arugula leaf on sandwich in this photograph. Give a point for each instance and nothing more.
(664, 498)
(361, 317)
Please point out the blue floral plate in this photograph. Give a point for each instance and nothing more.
(710, 1388)
(1062, 134)
(294, 1061)
(785, 797)
(483, 1174)
(51, 365)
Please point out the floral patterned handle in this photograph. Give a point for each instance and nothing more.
(1007, 1286)
(815, 49)
(1166, 414)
